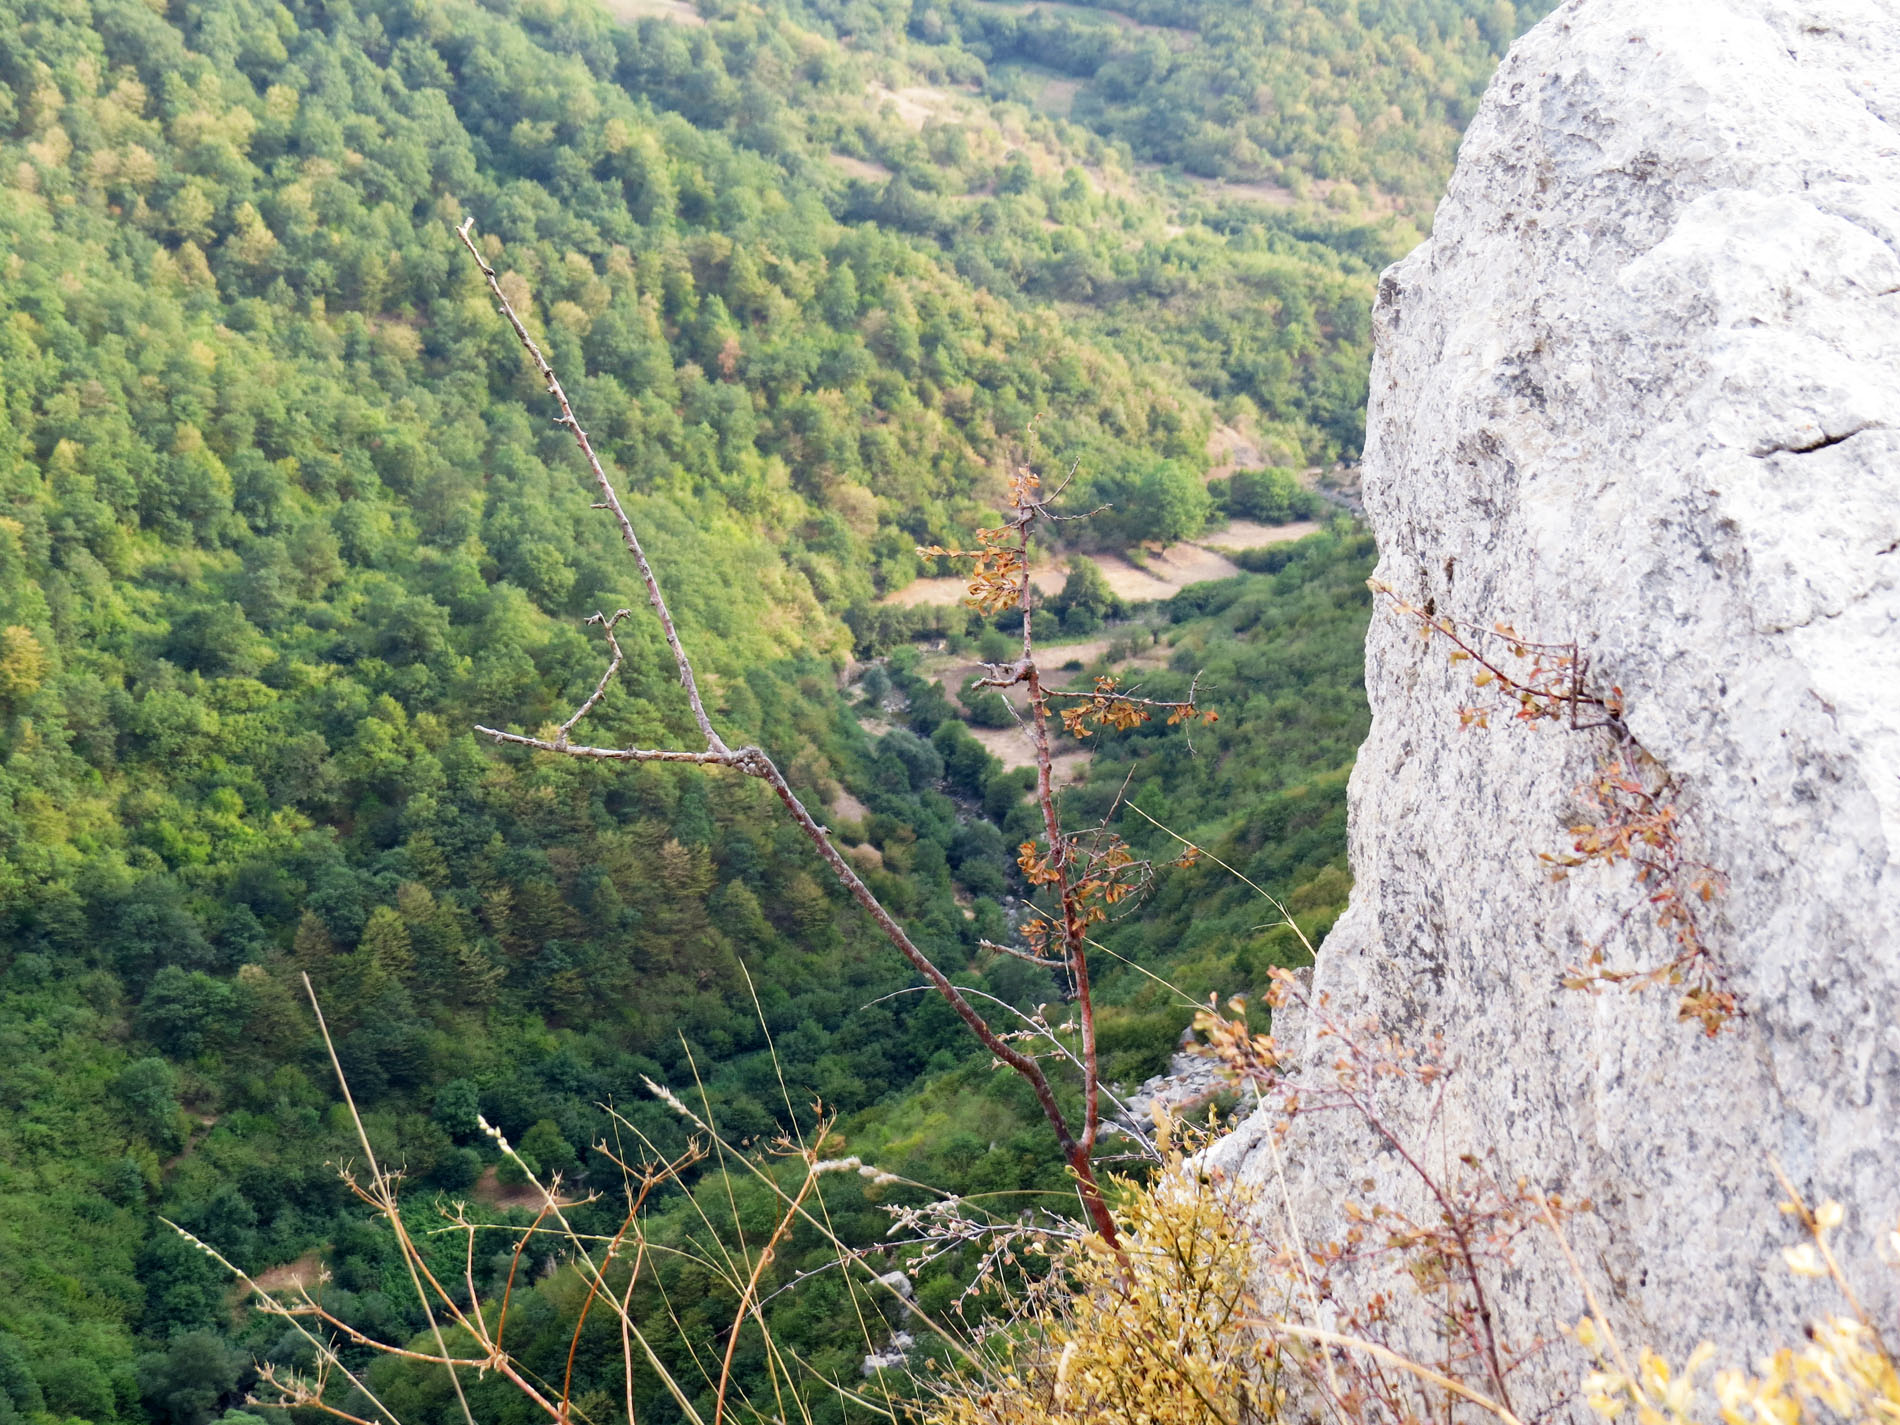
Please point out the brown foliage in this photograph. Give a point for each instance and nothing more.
(1638, 804)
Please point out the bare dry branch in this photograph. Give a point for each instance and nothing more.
(609, 496)
(613, 667)
(1030, 956)
(727, 758)
(753, 762)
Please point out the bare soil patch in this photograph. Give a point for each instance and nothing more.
(949, 672)
(949, 589)
(1011, 746)
(1232, 450)
(860, 167)
(916, 104)
(927, 594)
(1272, 194)
(291, 1275)
(1246, 534)
(489, 1189)
(1057, 96)
(1167, 572)
(845, 807)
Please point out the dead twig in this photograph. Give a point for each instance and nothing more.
(753, 762)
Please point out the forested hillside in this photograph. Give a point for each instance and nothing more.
(284, 518)
(1319, 96)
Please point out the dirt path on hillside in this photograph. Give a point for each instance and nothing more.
(845, 807)
(1164, 574)
(490, 1189)
(304, 1272)
(1160, 575)
(917, 104)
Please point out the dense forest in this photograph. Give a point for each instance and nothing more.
(1351, 100)
(284, 518)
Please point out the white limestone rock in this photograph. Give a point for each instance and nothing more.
(1642, 389)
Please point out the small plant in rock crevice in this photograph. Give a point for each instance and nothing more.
(1136, 1343)
(1450, 1250)
(1845, 1374)
(1636, 805)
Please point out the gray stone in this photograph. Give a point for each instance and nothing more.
(1641, 390)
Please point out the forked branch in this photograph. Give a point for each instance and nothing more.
(753, 762)
(609, 497)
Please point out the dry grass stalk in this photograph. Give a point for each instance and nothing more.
(461, 1340)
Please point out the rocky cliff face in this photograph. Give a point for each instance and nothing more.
(1641, 390)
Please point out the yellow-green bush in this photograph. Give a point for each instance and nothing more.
(1156, 1334)
(1173, 1331)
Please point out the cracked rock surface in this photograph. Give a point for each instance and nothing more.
(1641, 389)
